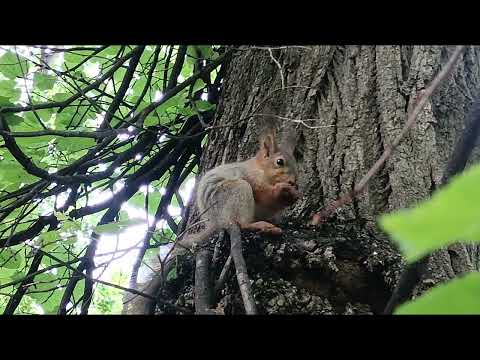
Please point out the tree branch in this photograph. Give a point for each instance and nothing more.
(241, 270)
(122, 90)
(223, 276)
(421, 101)
(65, 133)
(148, 82)
(62, 104)
(202, 281)
(177, 67)
(139, 118)
(458, 160)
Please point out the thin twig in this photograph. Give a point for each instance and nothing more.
(223, 275)
(299, 121)
(241, 269)
(274, 48)
(279, 67)
(458, 160)
(67, 133)
(24, 76)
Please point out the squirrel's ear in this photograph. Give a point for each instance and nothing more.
(268, 145)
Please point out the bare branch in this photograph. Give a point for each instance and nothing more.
(65, 133)
(421, 101)
(279, 67)
(223, 275)
(62, 104)
(241, 269)
(202, 283)
(298, 121)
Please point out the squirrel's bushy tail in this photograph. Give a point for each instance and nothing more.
(196, 239)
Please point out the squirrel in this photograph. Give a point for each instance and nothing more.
(250, 193)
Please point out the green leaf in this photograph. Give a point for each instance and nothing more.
(118, 76)
(48, 240)
(172, 275)
(187, 69)
(44, 114)
(199, 84)
(53, 302)
(123, 215)
(147, 55)
(151, 120)
(13, 173)
(203, 105)
(60, 97)
(117, 227)
(10, 66)
(43, 81)
(11, 259)
(74, 144)
(7, 275)
(5, 101)
(13, 120)
(18, 276)
(71, 226)
(193, 53)
(43, 282)
(60, 216)
(79, 289)
(73, 58)
(172, 104)
(139, 85)
(206, 51)
(65, 118)
(162, 237)
(11, 218)
(111, 51)
(8, 89)
(50, 236)
(153, 201)
(137, 200)
(35, 147)
(187, 111)
(174, 201)
(449, 216)
(459, 296)
(28, 123)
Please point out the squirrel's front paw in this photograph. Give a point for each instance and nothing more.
(264, 227)
(286, 193)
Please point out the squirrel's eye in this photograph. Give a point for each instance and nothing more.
(280, 162)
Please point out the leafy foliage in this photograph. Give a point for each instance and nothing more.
(108, 300)
(59, 180)
(12, 65)
(116, 227)
(451, 215)
(459, 296)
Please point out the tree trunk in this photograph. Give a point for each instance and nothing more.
(358, 98)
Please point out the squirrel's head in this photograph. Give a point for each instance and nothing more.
(277, 160)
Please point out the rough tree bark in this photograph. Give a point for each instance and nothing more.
(358, 97)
